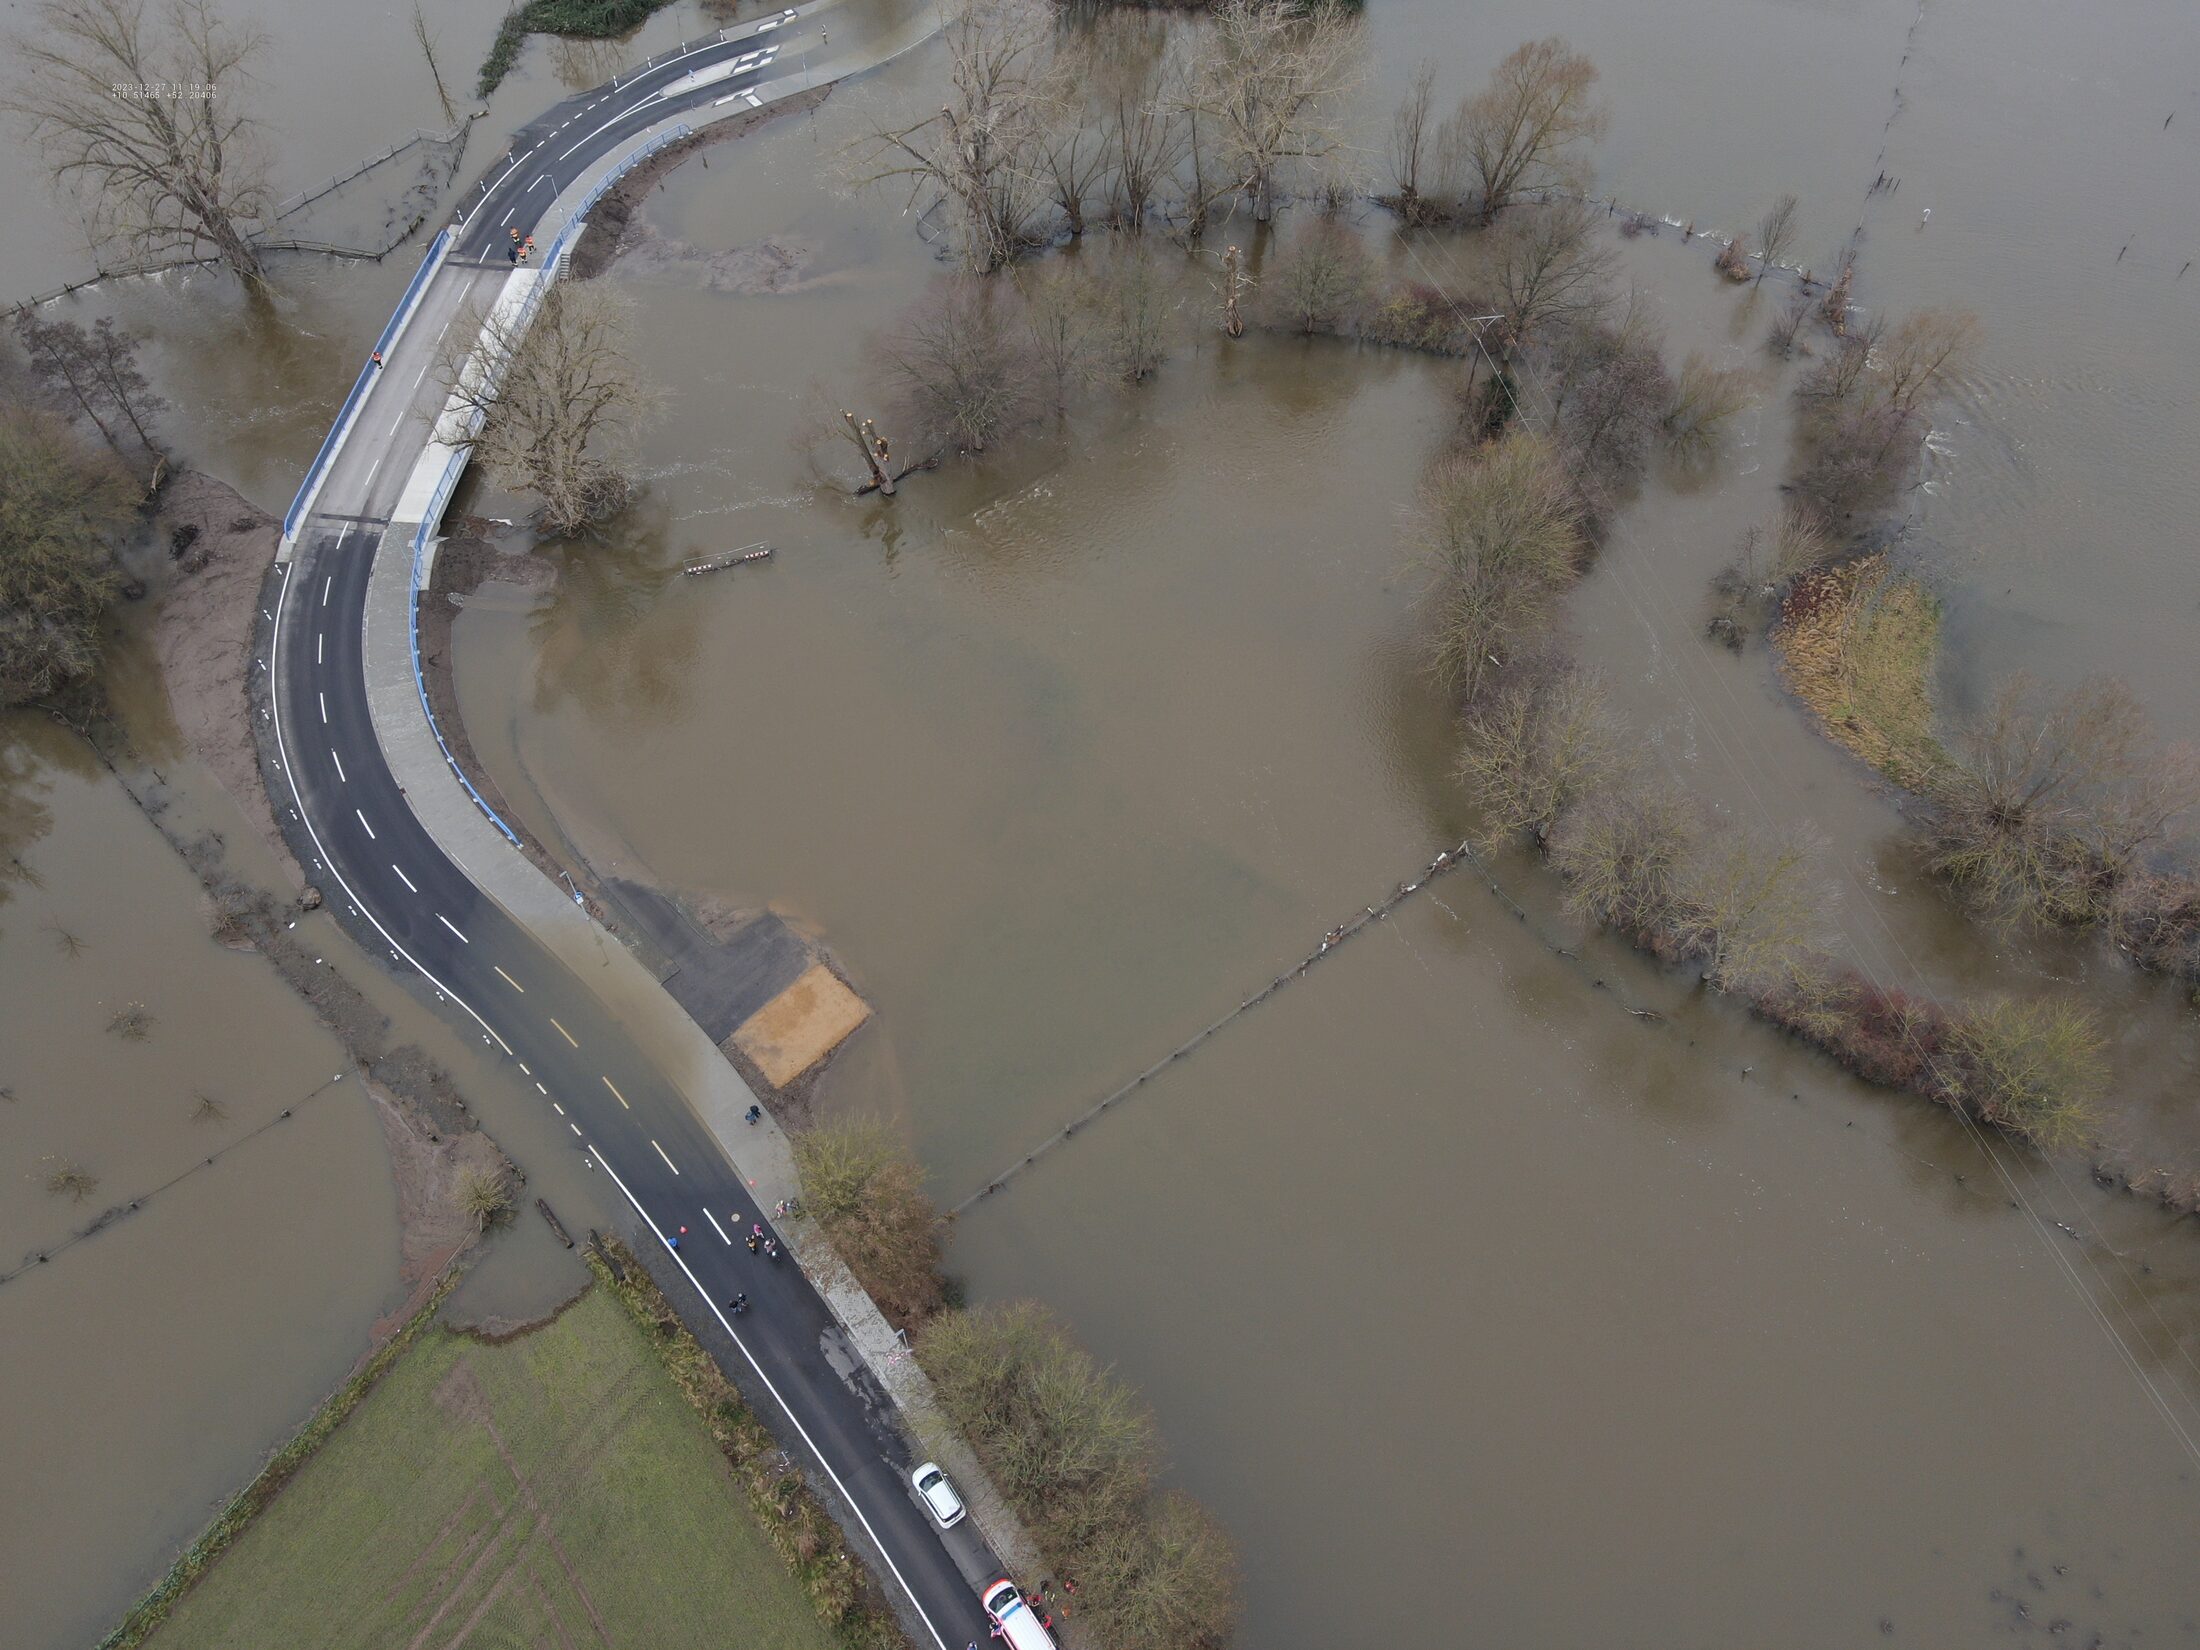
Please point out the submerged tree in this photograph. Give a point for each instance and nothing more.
(1320, 278)
(1527, 129)
(556, 400)
(986, 148)
(1269, 78)
(957, 355)
(1775, 234)
(150, 118)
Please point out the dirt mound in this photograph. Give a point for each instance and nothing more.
(220, 544)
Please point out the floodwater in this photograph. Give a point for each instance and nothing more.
(149, 1366)
(1478, 1306)
(1461, 1291)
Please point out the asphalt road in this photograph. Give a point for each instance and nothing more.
(372, 852)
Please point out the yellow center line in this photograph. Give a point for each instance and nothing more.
(614, 1088)
(562, 1032)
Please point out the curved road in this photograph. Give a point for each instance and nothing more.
(623, 1110)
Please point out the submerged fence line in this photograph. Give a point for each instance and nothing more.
(1447, 860)
(122, 1211)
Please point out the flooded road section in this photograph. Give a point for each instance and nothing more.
(149, 1367)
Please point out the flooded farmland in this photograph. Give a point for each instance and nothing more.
(1488, 1283)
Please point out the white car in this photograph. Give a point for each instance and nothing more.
(939, 1495)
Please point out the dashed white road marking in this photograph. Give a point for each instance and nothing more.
(720, 1230)
(406, 880)
(324, 708)
(453, 927)
(575, 1127)
(320, 643)
(560, 1110)
(614, 1088)
(339, 761)
(674, 1167)
(363, 821)
(562, 1032)
(514, 984)
(331, 579)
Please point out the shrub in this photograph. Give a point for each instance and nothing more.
(485, 1195)
(2034, 1068)
(2050, 806)
(1415, 315)
(1535, 743)
(867, 1195)
(1073, 1450)
(1502, 527)
(1624, 854)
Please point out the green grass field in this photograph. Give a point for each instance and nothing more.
(553, 1491)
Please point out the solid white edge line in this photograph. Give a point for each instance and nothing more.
(720, 1230)
(674, 1167)
(305, 817)
(793, 1419)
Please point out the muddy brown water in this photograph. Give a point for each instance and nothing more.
(1477, 1306)
(1460, 1291)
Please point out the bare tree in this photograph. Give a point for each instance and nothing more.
(1541, 738)
(427, 50)
(1412, 149)
(956, 355)
(1527, 129)
(94, 371)
(876, 450)
(1321, 277)
(1145, 142)
(1918, 358)
(1550, 270)
(1775, 234)
(985, 150)
(1502, 529)
(556, 400)
(150, 119)
(1270, 77)
(1076, 159)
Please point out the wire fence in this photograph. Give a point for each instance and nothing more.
(306, 197)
